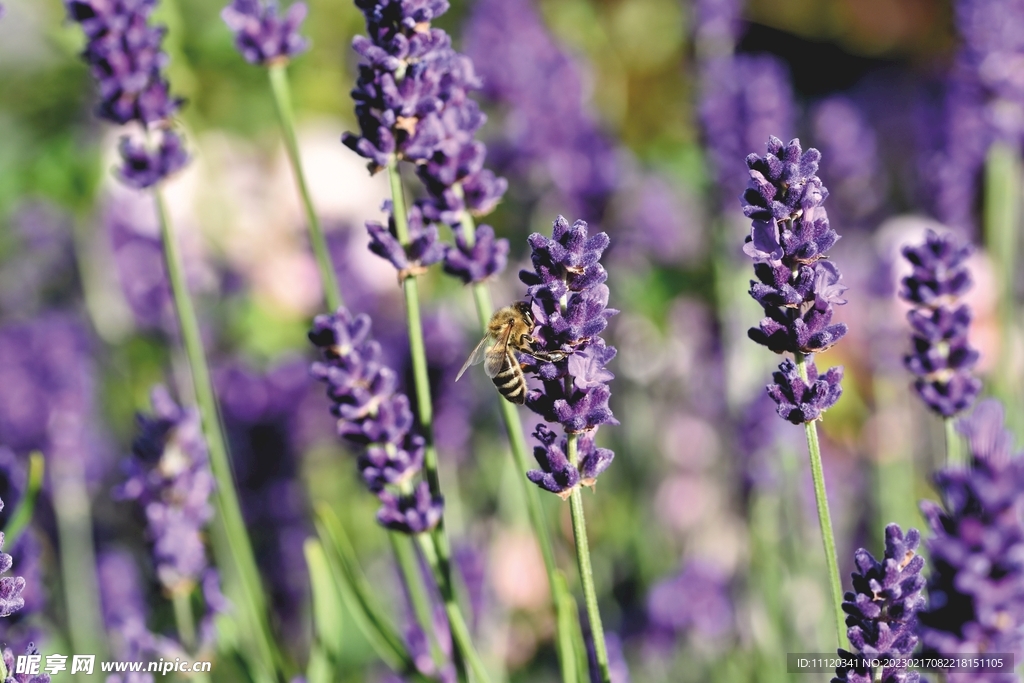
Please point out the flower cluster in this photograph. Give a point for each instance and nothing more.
(125, 57)
(375, 418)
(942, 358)
(696, 598)
(976, 590)
(11, 587)
(796, 285)
(881, 611)
(263, 37)
(170, 478)
(569, 300)
(412, 103)
(423, 248)
(9, 664)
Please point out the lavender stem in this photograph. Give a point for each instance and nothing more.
(22, 515)
(412, 577)
(184, 619)
(954, 449)
(278, 74)
(824, 516)
(440, 555)
(579, 532)
(230, 527)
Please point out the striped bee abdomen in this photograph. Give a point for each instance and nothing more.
(510, 381)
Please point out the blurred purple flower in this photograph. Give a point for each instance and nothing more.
(139, 259)
(374, 418)
(40, 270)
(487, 257)
(569, 301)
(942, 357)
(695, 599)
(744, 99)
(261, 416)
(9, 663)
(169, 476)
(547, 126)
(850, 159)
(976, 589)
(261, 35)
(11, 587)
(146, 164)
(882, 608)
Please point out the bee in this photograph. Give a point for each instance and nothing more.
(508, 332)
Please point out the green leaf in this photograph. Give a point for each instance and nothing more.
(328, 610)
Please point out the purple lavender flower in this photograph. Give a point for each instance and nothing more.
(413, 259)
(547, 131)
(942, 357)
(146, 165)
(11, 587)
(412, 103)
(799, 401)
(261, 35)
(125, 57)
(976, 589)
(487, 257)
(170, 478)
(9, 663)
(376, 419)
(796, 286)
(569, 301)
(696, 598)
(882, 608)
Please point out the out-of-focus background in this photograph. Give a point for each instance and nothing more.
(703, 531)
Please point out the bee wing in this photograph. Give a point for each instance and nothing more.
(497, 354)
(477, 356)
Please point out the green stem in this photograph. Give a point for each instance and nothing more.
(283, 100)
(22, 515)
(824, 516)
(579, 532)
(229, 525)
(456, 622)
(183, 618)
(409, 565)
(954, 447)
(424, 404)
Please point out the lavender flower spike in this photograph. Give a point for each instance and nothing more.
(375, 419)
(170, 478)
(882, 608)
(125, 57)
(263, 37)
(942, 357)
(796, 286)
(976, 591)
(9, 664)
(11, 587)
(569, 300)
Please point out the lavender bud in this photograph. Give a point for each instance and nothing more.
(261, 35)
(941, 357)
(12, 677)
(799, 401)
(882, 608)
(471, 264)
(146, 165)
(423, 249)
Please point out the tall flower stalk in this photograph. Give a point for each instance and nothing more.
(941, 358)
(569, 300)
(797, 287)
(124, 54)
(266, 39)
